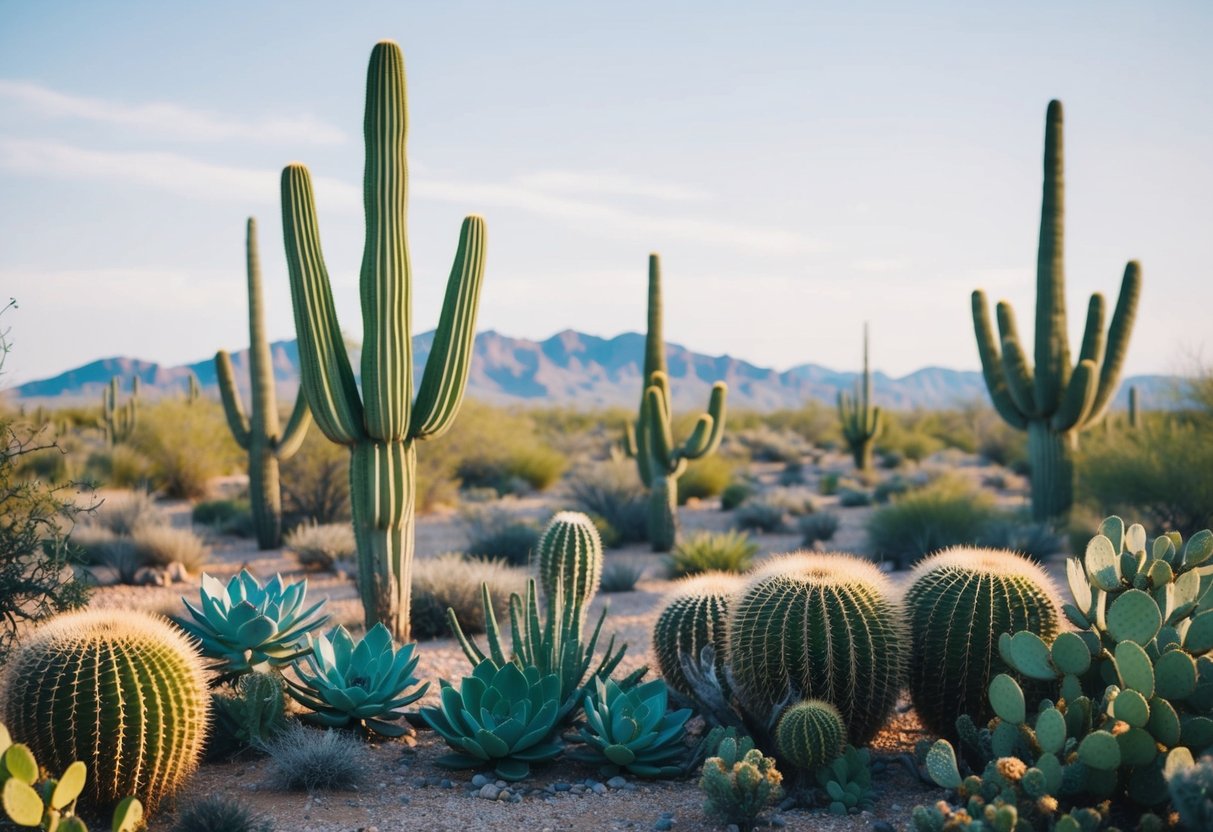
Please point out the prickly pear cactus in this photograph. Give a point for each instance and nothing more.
(569, 553)
(810, 734)
(959, 603)
(135, 710)
(696, 614)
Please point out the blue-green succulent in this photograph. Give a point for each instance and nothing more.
(503, 717)
(632, 729)
(364, 683)
(245, 625)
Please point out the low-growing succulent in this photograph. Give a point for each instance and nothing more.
(696, 614)
(504, 717)
(739, 783)
(364, 683)
(245, 625)
(810, 734)
(847, 782)
(249, 716)
(632, 730)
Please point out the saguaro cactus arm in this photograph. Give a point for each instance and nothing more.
(709, 429)
(233, 409)
(296, 428)
(991, 364)
(1119, 332)
(328, 379)
(1052, 338)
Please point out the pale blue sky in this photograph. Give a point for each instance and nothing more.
(801, 167)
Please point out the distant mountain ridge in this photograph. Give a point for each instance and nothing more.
(572, 368)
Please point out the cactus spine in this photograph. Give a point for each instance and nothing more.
(570, 559)
(650, 441)
(120, 690)
(810, 734)
(119, 420)
(820, 627)
(1055, 401)
(960, 601)
(381, 427)
(861, 421)
(261, 437)
(696, 615)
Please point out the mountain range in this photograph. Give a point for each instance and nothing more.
(572, 368)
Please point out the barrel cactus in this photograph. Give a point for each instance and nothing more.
(960, 601)
(570, 557)
(696, 615)
(810, 734)
(135, 711)
(822, 627)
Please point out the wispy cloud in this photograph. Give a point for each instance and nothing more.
(166, 119)
(608, 184)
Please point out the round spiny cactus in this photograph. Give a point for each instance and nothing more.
(570, 552)
(122, 691)
(959, 602)
(810, 734)
(822, 627)
(696, 614)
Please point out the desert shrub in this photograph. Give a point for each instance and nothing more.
(612, 491)
(792, 474)
(97, 546)
(120, 467)
(827, 486)
(814, 422)
(498, 448)
(761, 514)
(795, 501)
(162, 545)
(820, 526)
(704, 478)
(948, 512)
(52, 464)
(890, 488)
(890, 460)
(121, 512)
(767, 445)
(222, 514)
(734, 494)
(453, 581)
(712, 551)
(188, 445)
(1020, 534)
(322, 546)
(316, 482)
(304, 759)
(621, 575)
(87, 540)
(854, 498)
(495, 533)
(220, 813)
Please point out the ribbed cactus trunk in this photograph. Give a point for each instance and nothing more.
(382, 424)
(261, 436)
(1051, 461)
(663, 513)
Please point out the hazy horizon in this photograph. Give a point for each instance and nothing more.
(801, 170)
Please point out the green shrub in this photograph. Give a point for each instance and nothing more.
(619, 575)
(948, 512)
(712, 552)
(496, 534)
(762, 514)
(734, 494)
(234, 517)
(120, 467)
(890, 488)
(705, 477)
(828, 485)
(792, 474)
(491, 447)
(304, 759)
(188, 445)
(767, 445)
(322, 546)
(820, 526)
(613, 492)
(854, 498)
(163, 545)
(316, 482)
(453, 581)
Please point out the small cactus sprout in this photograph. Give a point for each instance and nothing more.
(960, 601)
(861, 420)
(810, 734)
(823, 627)
(696, 614)
(134, 711)
(570, 553)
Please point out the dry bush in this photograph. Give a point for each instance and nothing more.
(322, 546)
(188, 445)
(453, 581)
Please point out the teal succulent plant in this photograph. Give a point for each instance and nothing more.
(503, 717)
(847, 782)
(245, 625)
(632, 730)
(363, 682)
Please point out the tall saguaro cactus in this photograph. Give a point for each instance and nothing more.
(261, 436)
(660, 460)
(382, 426)
(119, 419)
(861, 421)
(1054, 402)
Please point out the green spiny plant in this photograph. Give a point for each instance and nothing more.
(1055, 402)
(824, 627)
(569, 552)
(739, 783)
(1190, 783)
(659, 459)
(136, 711)
(810, 734)
(119, 420)
(847, 782)
(249, 717)
(383, 425)
(696, 615)
(861, 420)
(261, 437)
(959, 602)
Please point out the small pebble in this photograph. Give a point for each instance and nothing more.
(664, 825)
(732, 827)
(617, 782)
(883, 826)
(563, 787)
(778, 821)
(598, 788)
(480, 780)
(489, 791)
(404, 800)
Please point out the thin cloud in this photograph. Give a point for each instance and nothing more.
(608, 184)
(166, 119)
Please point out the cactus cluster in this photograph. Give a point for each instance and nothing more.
(261, 436)
(250, 716)
(119, 419)
(739, 783)
(382, 424)
(695, 616)
(659, 458)
(959, 603)
(861, 420)
(810, 734)
(135, 711)
(569, 555)
(1054, 401)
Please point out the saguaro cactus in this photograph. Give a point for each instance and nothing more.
(1134, 408)
(861, 421)
(659, 459)
(1054, 402)
(119, 420)
(192, 391)
(261, 437)
(381, 427)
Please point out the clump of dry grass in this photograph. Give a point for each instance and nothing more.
(453, 581)
(121, 512)
(321, 546)
(305, 759)
(164, 545)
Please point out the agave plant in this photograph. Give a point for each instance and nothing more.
(363, 683)
(245, 625)
(504, 717)
(631, 730)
